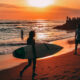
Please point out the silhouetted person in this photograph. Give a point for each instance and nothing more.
(77, 38)
(22, 33)
(31, 41)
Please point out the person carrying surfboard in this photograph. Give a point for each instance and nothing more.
(77, 38)
(31, 41)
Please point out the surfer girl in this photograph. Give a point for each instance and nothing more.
(77, 38)
(31, 41)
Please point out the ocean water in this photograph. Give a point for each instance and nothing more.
(10, 33)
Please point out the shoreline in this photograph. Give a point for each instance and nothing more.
(10, 46)
(16, 61)
(61, 66)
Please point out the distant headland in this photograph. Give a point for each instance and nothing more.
(71, 24)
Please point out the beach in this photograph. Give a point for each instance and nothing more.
(61, 66)
(40, 36)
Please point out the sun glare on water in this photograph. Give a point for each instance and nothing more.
(40, 3)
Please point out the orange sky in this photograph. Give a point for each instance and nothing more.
(19, 9)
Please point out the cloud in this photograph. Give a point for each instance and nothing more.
(53, 12)
(7, 6)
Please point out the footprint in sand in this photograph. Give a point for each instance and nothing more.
(66, 71)
(16, 79)
(59, 77)
(56, 76)
(19, 79)
(56, 66)
(76, 70)
(45, 74)
(49, 67)
(74, 77)
(62, 77)
(46, 78)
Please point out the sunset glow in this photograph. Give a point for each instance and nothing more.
(39, 9)
(40, 3)
(40, 36)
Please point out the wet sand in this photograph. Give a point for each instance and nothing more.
(61, 66)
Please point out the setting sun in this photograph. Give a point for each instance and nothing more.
(40, 3)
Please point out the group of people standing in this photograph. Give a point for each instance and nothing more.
(31, 41)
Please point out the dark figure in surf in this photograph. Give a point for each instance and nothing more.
(77, 38)
(22, 33)
(31, 41)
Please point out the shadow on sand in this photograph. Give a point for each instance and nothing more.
(71, 41)
(42, 50)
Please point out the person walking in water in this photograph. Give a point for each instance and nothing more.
(31, 41)
(77, 38)
(22, 33)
